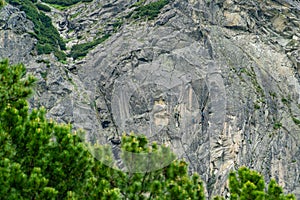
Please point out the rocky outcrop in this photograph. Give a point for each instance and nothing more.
(54, 86)
(218, 81)
(15, 41)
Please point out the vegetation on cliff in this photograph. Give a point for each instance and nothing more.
(48, 37)
(49, 40)
(1, 3)
(65, 2)
(43, 7)
(148, 11)
(80, 50)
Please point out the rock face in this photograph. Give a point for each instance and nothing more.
(15, 42)
(218, 81)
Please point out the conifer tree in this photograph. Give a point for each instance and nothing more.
(169, 182)
(16, 180)
(40, 159)
(248, 184)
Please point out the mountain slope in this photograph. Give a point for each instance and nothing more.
(218, 81)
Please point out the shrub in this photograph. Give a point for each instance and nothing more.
(43, 7)
(1, 3)
(60, 55)
(14, 2)
(65, 2)
(44, 49)
(296, 121)
(80, 50)
(277, 125)
(149, 11)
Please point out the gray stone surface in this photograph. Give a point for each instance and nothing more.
(15, 42)
(217, 81)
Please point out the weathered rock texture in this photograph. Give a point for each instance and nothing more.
(218, 81)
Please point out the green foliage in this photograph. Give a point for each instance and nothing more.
(149, 11)
(285, 101)
(138, 156)
(60, 55)
(65, 2)
(273, 94)
(256, 106)
(296, 121)
(218, 198)
(117, 24)
(18, 180)
(276, 192)
(169, 182)
(81, 50)
(43, 7)
(2, 3)
(14, 2)
(277, 125)
(13, 85)
(44, 49)
(247, 184)
(48, 37)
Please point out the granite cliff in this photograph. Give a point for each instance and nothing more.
(216, 80)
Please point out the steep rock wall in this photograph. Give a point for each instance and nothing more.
(217, 81)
